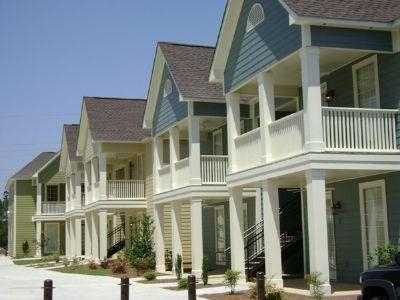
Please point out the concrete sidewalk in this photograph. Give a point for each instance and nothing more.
(19, 282)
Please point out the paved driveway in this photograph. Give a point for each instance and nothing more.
(19, 282)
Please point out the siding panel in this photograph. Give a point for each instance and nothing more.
(261, 47)
(169, 109)
(351, 38)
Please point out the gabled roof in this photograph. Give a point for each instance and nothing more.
(357, 10)
(363, 14)
(34, 166)
(190, 66)
(112, 119)
(71, 134)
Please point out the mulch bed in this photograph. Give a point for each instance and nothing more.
(227, 296)
(198, 286)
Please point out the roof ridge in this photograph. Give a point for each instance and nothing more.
(113, 98)
(186, 44)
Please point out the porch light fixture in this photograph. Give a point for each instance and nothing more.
(336, 207)
(329, 96)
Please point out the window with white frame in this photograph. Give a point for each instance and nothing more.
(52, 193)
(366, 84)
(167, 87)
(374, 226)
(255, 17)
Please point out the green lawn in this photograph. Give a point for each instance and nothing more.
(82, 271)
(28, 261)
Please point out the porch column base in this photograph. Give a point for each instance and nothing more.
(325, 290)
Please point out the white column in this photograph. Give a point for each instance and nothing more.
(103, 176)
(94, 167)
(176, 231)
(78, 236)
(71, 248)
(173, 153)
(38, 197)
(317, 226)
(273, 261)
(114, 224)
(88, 235)
(266, 100)
(88, 182)
(68, 194)
(196, 220)
(194, 146)
(78, 190)
(310, 75)
(157, 156)
(67, 239)
(38, 238)
(102, 234)
(159, 237)
(236, 230)
(95, 235)
(233, 127)
(258, 206)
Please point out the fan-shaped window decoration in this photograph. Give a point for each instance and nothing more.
(167, 87)
(256, 16)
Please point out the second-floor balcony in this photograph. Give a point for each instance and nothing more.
(126, 189)
(213, 170)
(53, 207)
(351, 130)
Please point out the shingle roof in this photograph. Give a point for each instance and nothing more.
(71, 134)
(112, 119)
(190, 66)
(35, 165)
(357, 10)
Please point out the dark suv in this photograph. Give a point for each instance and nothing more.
(382, 283)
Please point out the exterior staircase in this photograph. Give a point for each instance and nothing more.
(115, 240)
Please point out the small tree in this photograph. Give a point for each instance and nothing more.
(178, 266)
(204, 274)
(4, 220)
(383, 255)
(25, 248)
(231, 278)
(141, 253)
(316, 285)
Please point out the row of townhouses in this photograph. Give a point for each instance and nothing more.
(278, 149)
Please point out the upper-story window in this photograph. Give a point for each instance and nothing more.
(365, 83)
(167, 87)
(255, 17)
(52, 193)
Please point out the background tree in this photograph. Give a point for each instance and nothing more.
(4, 220)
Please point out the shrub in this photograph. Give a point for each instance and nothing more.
(75, 261)
(168, 260)
(204, 268)
(383, 255)
(315, 283)
(65, 261)
(25, 248)
(231, 278)
(141, 254)
(178, 266)
(56, 257)
(119, 266)
(149, 275)
(183, 283)
(92, 265)
(273, 293)
(104, 263)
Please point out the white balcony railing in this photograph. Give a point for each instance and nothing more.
(359, 129)
(53, 207)
(213, 169)
(126, 189)
(182, 172)
(248, 149)
(287, 136)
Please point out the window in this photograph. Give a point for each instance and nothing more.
(217, 142)
(167, 87)
(256, 16)
(52, 193)
(365, 83)
(374, 227)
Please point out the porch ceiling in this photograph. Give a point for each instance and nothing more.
(288, 72)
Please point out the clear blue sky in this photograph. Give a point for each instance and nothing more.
(52, 53)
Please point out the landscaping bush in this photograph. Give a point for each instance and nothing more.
(273, 293)
(204, 267)
(178, 266)
(119, 266)
(231, 278)
(25, 248)
(92, 265)
(315, 283)
(383, 255)
(183, 283)
(149, 275)
(65, 261)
